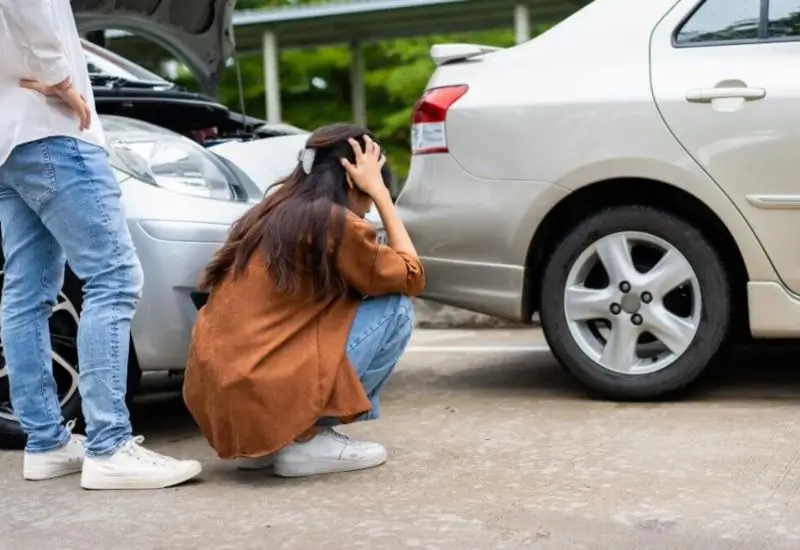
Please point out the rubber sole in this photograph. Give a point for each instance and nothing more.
(322, 467)
(110, 483)
(34, 474)
(254, 465)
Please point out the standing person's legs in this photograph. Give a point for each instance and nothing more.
(33, 271)
(378, 337)
(71, 188)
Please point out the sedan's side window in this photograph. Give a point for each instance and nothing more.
(784, 19)
(716, 21)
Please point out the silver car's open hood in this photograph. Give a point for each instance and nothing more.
(197, 32)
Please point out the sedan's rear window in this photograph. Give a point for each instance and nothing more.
(784, 19)
(717, 21)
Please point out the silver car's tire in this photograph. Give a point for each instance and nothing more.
(63, 339)
(64, 343)
(635, 303)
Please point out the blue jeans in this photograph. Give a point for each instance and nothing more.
(60, 201)
(378, 337)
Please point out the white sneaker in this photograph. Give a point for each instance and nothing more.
(134, 467)
(326, 453)
(59, 462)
(260, 463)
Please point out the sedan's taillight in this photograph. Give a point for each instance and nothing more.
(427, 128)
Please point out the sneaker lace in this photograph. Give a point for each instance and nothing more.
(333, 434)
(69, 426)
(135, 449)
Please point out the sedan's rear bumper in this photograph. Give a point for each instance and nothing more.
(473, 234)
(490, 289)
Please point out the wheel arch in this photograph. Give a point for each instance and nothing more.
(624, 192)
(74, 286)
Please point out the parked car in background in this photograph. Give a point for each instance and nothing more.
(122, 87)
(630, 174)
(180, 194)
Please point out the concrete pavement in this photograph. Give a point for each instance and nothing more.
(492, 447)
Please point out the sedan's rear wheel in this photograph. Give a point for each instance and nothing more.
(635, 303)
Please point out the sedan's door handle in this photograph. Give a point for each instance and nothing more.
(710, 94)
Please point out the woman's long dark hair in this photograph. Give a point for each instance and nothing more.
(295, 225)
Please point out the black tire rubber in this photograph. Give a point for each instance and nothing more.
(11, 434)
(714, 288)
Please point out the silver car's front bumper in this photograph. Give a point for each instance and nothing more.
(173, 257)
(175, 237)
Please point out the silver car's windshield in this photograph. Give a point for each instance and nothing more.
(104, 63)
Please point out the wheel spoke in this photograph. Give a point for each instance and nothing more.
(674, 332)
(69, 388)
(671, 271)
(585, 304)
(615, 255)
(64, 304)
(619, 353)
(5, 400)
(73, 377)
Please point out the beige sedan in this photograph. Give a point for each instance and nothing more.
(632, 175)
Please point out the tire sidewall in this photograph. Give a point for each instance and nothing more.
(11, 434)
(714, 290)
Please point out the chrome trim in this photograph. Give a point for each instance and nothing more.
(187, 232)
(774, 202)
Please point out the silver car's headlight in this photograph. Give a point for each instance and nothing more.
(172, 162)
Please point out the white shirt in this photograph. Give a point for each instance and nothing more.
(39, 41)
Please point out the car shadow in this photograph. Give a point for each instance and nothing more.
(744, 375)
(741, 376)
(753, 374)
(159, 409)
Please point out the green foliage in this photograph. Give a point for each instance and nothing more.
(315, 83)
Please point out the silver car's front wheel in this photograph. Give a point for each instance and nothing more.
(64, 352)
(635, 302)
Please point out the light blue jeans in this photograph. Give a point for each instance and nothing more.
(378, 337)
(60, 201)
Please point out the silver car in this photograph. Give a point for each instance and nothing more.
(180, 199)
(630, 175)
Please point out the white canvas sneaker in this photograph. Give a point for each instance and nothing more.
(328, 452)
(260, 463)
(59, 462)
(134, 467)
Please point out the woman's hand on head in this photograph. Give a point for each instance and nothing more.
(365, 174)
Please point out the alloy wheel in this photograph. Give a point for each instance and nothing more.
(64, 351)
(632, 303)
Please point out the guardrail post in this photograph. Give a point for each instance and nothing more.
(272, 83)
(358, 96)
(522, 23)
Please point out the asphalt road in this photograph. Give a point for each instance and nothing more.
(492, 447)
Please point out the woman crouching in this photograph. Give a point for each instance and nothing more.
(307, 315)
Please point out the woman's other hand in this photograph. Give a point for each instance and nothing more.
(366, 173)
